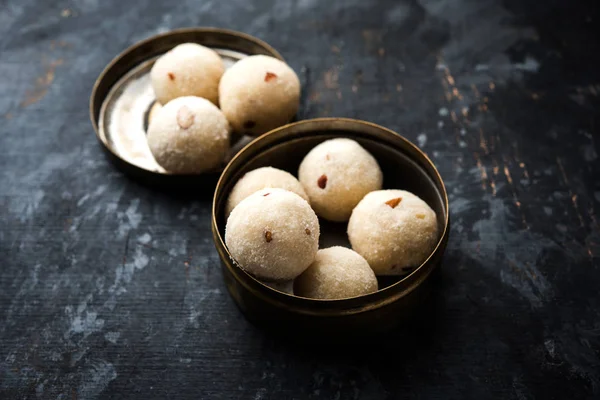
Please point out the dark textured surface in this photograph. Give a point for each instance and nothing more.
(109, 289)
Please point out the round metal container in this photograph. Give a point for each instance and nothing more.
(404, 166)
(123, 102)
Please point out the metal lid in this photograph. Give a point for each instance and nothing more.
(123, 102)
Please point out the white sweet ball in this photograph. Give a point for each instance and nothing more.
(259, 93)
(188, 135)
(393, 230)
(336, 273)
(261, 178)
(188, 69)
(273, 234)
(336, 175)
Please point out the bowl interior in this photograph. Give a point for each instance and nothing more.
(400, 171)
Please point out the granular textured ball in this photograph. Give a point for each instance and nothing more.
(336, 175)
(260, 178)
(394, 230)
(188, 135)
(259, 93)
(273, 234)
(336, 273)
(188, 69)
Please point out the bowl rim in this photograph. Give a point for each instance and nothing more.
(92, 105)
(382, 296)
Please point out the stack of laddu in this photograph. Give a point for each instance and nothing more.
(203, 103)
(272, 229)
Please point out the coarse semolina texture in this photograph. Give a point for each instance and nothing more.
(394, 230)
(336, 175)
(259, 93)
(188, 69)
(189, 135)
(261, 178)
(273, 234)
(336, 273)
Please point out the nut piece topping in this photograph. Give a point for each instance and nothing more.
(322, 181)
(268, 236)
(269, 76)
(307, 231)
(394, 202)
(185, 117)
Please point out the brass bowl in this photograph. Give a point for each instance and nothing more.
(404, 167)
(122, 101)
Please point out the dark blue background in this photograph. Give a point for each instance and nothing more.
(109, 289)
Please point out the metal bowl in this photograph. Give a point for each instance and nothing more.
(404, 167)
(122, 100)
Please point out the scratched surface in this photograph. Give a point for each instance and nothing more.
(109, 289)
